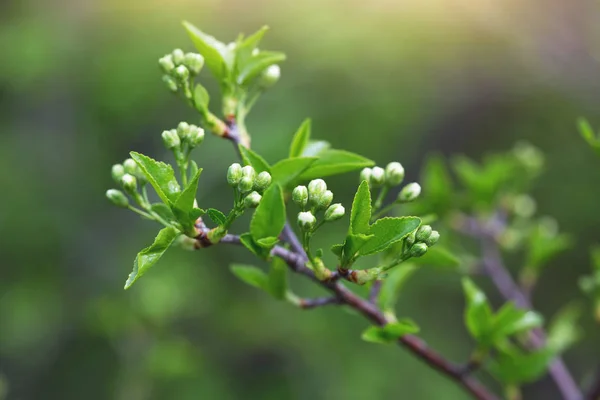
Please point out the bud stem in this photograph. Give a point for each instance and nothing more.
(379, 201)
(383, 211)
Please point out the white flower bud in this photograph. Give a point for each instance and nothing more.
(316, 189)
(171, 139)
(432, 239)
(306, 220)
(377, 176)
(178, 56)
(129, 183)
(365, 175)
(394, 174)
(166, 63)
(181, 73)
(117, 198)
(194, 62)
(409, 193)
(524, 206)
(249, 171)
(131, 167)
(183, 130)
(245, 185)
(262, 181)
(270, 76)
(423, 233)
(325, 200)
(418, 250)
(252, 200)
(170, 82)
(195, 136)
(300, 196)
(234, 174)
(117, 171)
(334, 212)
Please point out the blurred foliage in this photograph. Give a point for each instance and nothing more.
(79, 87)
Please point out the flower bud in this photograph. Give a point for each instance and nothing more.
(377, 176)
(306, 220)
(300, 196)
(166, 63)
(262, 181)
(411, 238)
(316, 189)
(325, 200)
(524, 206)
(252, 200)
(181, 73)
(409, 193)
(334, 212)
(194, 62)
(432, 239)
(178, 56)
(249, 171)
(129, 183)
(365, 175)
(195, 136)
(423, 233)
(170, 82)
(131, 167)
(183, 130)
(234, 174)
(245, 185)
(418, 249)
(394, 174)
(171, 139)
(117, 172)
(117, 198)
(270, 76)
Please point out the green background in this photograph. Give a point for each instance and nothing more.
(392, 80)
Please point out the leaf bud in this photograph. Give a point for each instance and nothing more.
(334, 212)
(270, 76)
(195, 136)
(409, 193)
(418, 250)
(117, 198)
(432, 239)
(178, 56)
(306, 220)
(171, 139)
(423, 233)
(252, 200)
(129, 184)
(234, 174)
(325, 200)
(377, 176)
(365, 175)
(117, 171)
(394, 174)
(262, 181)
(194, 62)
(166, 63)
(170, 82)
(300, 196)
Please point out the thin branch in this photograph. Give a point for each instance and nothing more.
(319, 302)
(374, 292)
(594, 392)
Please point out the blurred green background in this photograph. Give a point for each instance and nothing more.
(393, 80)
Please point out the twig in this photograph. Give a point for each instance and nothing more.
(374, 292)
(319, 302)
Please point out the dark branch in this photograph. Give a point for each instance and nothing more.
(374, 292)
(319, 302)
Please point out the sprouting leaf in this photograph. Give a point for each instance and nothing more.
(269, 218)
(315, 148)
(543, 246)
(246, 47)
(391, 286)
(150, 255)
(335, 162)
(361, 210)
(216, 216)
(163, 211)
(257, 64)
(352, 248)
(201, 98)
(253, 159)
(300, 139)
(518, 368)
(193, 169)
(278, 285)
(196, 213)
(160, 175)
(564, 330)
(478, 314)
(387, 231)
(510, 320)
(213, 51)
(439, 257)
(390, 332)
(251, 275)
(588, 135)
(185, 203)
(267, 242)
(284, 172)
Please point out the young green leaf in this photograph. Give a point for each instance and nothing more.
(544, 247)
(201, 98)
(315, 148)
(335, 162)
(267, 242)
(350, 250)
(361, 210)
(269, 218)
(588, 135)
(185, 203)
(278, 285)
(391, 286)
(300, 139)
(478, 314)
(284, 172)
(510, 321)
(251, 275)
(387, 231)
(391, 332)
(564, 330)
(163, 211)
(160, 175)
(213, 51)
(251, 158)
(246, 47)
(216, 216)
(257, 64)
(150, 255)
(518, 368)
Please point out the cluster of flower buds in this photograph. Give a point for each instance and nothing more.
(250, 184)
(419, 241)
(316, 197)
(126, 175)
(185, 133)
(392, 175)
(179, 66)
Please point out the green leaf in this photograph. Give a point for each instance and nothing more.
(216, 216)
(246, 47)
(278, 284)
(315, 148)
(519, 368)
(478, 314)
(251, 275)
(391, 286)
(269, 218)
(587, 132)
(257, 64)
(335, 162)
(249, 243)
(510, 321)
(214, 52)
(201, 98)
(185, 203)
(391, 332)
(387, 231)
(286, 171)
(193, 170)
(351, 248)
(544, 246)
(251, 158)
(564, 330)
(439, 257)
(361, 210)
(196, 213)
(163, 211)
(150, 255)
(267, 242)
(300, 139)
(160, 175)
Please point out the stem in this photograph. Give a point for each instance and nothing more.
(140, 212)
(383, 211)
(382, 193)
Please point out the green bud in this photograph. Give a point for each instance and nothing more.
(129, 184)
(432, 239)
(409, 193)
(183, 130)
(377, 176)
(334, 212)
(270, 76)
(365, 175)
(117, 198)
(171, 139)
(252, 200)
(194, 62)
(394, 174)
(234, 174)
(166, 63)
(411, 238)
(195, 136)
(300, 196)
(423, 233)
(178, 56)
(245, 185)
(131, 167)
(181, 73)
(117, 172)
(306, 220)
(316, 189)
(262, 181)
(170, 82)
(249, 171)
(325, 200)
(418, 250)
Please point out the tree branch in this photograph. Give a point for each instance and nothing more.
(319, 302)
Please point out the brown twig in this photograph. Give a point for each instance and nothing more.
(319, 302)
